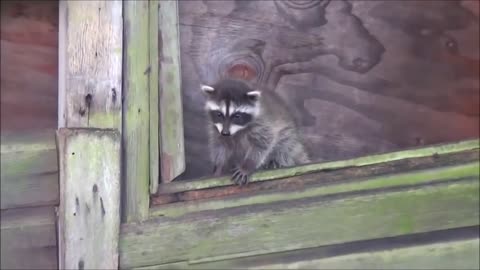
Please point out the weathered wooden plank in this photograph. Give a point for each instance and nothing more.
(154, 100)
(136, 110)
(29, 169)
(462, 254)
(89, 212)
(90, 64)
(28, 238)
(455, 255)
(318, 178)
(275, 227)
(315, 167)
(324, 188)
(172, 151)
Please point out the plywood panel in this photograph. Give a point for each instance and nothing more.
(361, 76)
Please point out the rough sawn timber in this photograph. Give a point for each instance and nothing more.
(89, 212)
(28, 169)
(90, 64)
(136, 123)
(396, 204)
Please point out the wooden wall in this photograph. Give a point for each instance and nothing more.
(362, 76)
(29, 171)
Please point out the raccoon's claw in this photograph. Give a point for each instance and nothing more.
(240, 177)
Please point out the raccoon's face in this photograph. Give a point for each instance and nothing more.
(231, 106)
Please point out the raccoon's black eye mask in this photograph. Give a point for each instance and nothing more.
(237, 118)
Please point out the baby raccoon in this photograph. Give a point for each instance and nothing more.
(250, 130)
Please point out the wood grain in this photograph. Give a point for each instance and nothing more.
(261, 229)
(172, 152)
(361, 77)
(29, 60)
(29, 169)
(28, 238)
(224, 196)
(89, 212)
(453, 254)
(136, 123)
(90, 64)
(154, 113)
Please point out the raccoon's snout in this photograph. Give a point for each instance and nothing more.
(225, 132)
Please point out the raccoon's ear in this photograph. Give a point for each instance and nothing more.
(254, 95)
(207, 89)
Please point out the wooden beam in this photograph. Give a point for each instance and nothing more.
(172, 153)
(90, 64)
(236, 194)
(302, 223)
(89, 212)
(136, 110)
(267, 175)
(28, 238)
(28, 169)
(154, 6)
(323, 188)
(459, 254)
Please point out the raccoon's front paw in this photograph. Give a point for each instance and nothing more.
(240, 176)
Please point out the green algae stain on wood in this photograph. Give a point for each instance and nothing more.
(89, 212)
(459, 254)
(28, 169)
(136, 124)
(172, 152)
(310, 168)
(380, 182)
(277, 227)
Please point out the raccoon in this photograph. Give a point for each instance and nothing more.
(250, 130)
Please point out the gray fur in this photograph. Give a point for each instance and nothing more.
(270, 140)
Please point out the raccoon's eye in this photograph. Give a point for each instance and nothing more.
(218, 114)
(236, 116)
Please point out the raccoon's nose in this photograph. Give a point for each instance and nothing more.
(225, 132)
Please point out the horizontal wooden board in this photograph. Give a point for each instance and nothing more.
(317, 178)
(28, 238)
(29, 169)
(462, 254)
(316, 167)
(324, 187)
(304, 223)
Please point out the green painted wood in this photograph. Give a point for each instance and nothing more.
(90, 64)
(136, 124)
(28, 238)
(172, 153)
(455, 255)
(365, 184)
(315, 167)
(461, 254)
(154, 100)
(28, 169)
(89, 211)
(261, 229)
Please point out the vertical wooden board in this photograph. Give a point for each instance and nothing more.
(136, 110)
(89, 214)
(90, 64)
(172, 157)
(153, 86)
